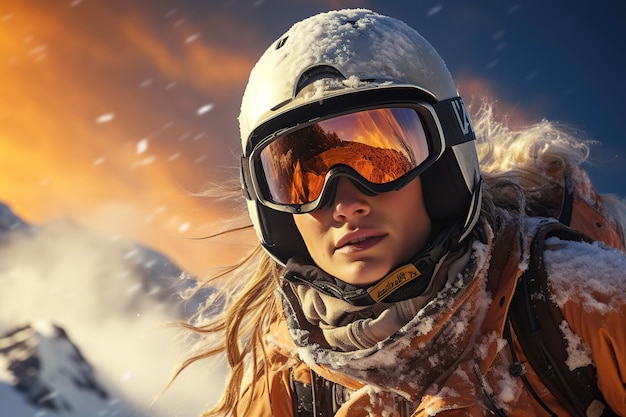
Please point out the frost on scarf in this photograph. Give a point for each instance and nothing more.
(427, 346)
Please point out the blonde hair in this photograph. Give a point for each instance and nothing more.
(526, 171)
(238, 330)
(514, 164)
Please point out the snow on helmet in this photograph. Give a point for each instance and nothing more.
(353, 58)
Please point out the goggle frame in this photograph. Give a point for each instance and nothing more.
(254, 183)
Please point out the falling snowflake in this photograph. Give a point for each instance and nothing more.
(143, 162)
(205, 109)
(38, 52)
(434, 10)
(142, 146)
(492, 64)
(105, 118)
(531, 75)
(192, 38)
(497, 35)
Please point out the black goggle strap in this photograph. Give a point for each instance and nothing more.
(455, 121)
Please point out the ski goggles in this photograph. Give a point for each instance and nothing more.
(381, 149)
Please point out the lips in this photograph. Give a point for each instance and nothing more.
(358, 240)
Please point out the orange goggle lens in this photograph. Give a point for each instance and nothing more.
(381, 145)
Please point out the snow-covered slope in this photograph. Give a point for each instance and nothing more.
(42, 370)
(114, 298)
(9, 221)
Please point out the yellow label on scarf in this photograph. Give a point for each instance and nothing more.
(396, 279)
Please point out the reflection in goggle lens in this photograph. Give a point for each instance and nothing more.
(381, 145)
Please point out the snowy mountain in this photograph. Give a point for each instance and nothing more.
(115, 298)
(42, 370)
(148, 273)
(9, 221)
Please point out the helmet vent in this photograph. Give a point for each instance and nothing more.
(317, 73)
(281, 42)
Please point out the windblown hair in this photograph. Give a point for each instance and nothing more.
(526, 172)
(518, 169)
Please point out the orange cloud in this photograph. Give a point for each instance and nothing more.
(82, 88)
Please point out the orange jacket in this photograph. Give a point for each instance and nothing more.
(481, 374)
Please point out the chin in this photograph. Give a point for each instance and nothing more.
(364, 274)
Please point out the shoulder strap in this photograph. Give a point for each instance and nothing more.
(536, 319)
(320, 399)
(323, 398)
(301, 397)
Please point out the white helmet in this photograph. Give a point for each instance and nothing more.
(345, 61)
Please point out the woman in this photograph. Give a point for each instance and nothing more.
(388, 259)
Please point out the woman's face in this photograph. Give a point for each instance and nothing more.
(360, 238)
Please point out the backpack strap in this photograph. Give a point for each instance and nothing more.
(588, 215)
(321, 398)
(301, 397)
(536, 319)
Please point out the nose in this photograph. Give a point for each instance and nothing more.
(349, 201)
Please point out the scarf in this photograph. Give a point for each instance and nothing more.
(402, 346)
